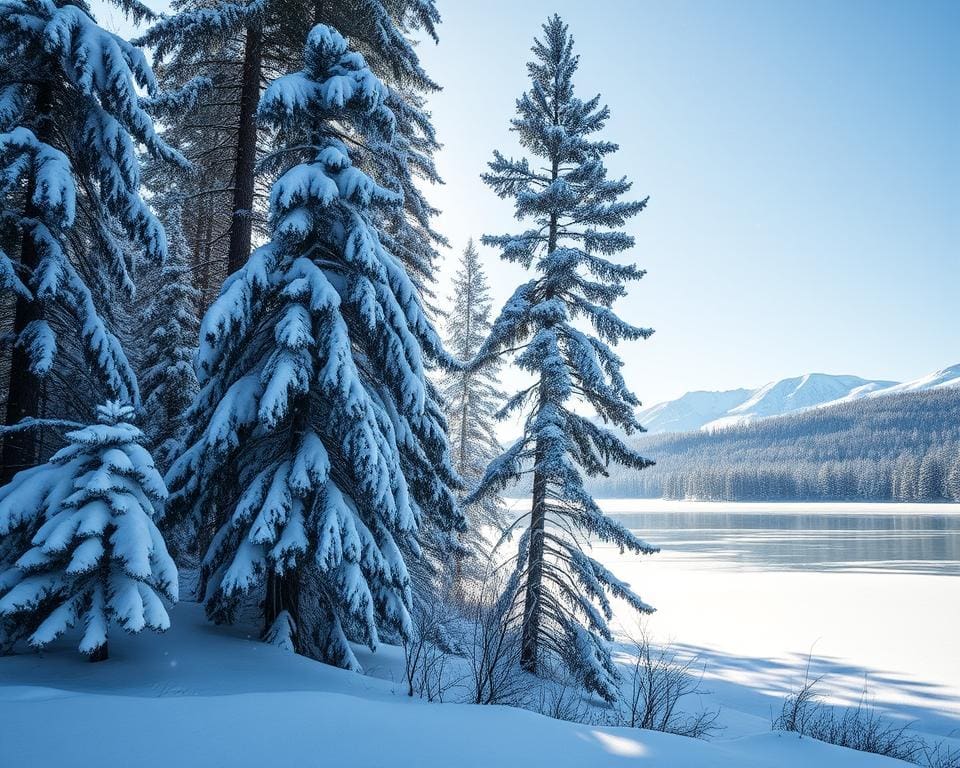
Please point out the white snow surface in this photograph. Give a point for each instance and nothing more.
(691, 411)
(717, 410)
(946, 377)
(216, 696)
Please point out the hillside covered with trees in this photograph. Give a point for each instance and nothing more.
(903, 447)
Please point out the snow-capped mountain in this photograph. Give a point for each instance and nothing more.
(716, 410)
(796, 394)
(692, 410)
(947, 377)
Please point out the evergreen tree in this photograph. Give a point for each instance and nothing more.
(906, 478)
(95, 555)
(471, 395)
(576, 214)
(953, 478)
(70, 120)
(930, 477)
(170, 326)
(315, 439)
(242, 46)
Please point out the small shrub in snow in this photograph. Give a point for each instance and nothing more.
(428, 649)
(861, 727)
(95, 555)
(657, 681)
(564, 699)
(939, 755)
(496, 676)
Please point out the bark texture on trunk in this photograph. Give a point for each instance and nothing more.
(241, 223)
(533, 605)
(533, 599)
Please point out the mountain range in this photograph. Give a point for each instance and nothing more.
(718, 410)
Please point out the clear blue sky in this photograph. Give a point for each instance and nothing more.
(802, 159)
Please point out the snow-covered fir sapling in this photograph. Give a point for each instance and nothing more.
(561, 323)
(317, 452)
(71, 117)
(472, 397)
(95, 556)
(170, 325)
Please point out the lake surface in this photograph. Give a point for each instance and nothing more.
(871, 591)
(915, 542)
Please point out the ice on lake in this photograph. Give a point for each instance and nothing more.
(872, 591)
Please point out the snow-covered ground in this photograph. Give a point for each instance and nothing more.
(209, 696)
(892, 629)
(896, 634)
(212, 696)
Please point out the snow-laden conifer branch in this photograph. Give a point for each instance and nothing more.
(72, 119)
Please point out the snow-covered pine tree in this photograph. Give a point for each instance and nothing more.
(70, 120)
(471, 396)
(315, 438)
(931, 480)
(953, 478)
(170, 326)
(577, 216)
(96, 556)
(243, 45)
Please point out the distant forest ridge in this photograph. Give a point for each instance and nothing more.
(901, 447)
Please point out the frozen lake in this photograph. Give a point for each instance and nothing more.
(872, 590)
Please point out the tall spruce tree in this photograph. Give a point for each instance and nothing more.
(242, 46)
(577, 216)
(96, 556)
(70, 120)
(316, 442)
(472, 395)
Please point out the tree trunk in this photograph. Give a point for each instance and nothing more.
(282, 591)
(201, 248)
(100, 654)
(533, 605)
(23, 395)
(241, 224)
(207, 255)
(281, 595)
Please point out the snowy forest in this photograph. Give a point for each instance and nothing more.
(226, 350)
(254, 397)
(903, 447)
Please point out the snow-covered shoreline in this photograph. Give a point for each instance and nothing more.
(618, 506)
(222, 698)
